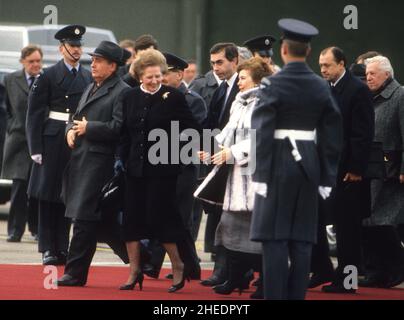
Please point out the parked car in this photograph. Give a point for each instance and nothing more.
(13, 39)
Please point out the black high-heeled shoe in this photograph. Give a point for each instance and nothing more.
(131, 286)
(228, 287)
(181, 284)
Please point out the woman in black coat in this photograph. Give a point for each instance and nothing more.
(150, 208)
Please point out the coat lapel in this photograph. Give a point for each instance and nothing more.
(22, 82)
(99, 94)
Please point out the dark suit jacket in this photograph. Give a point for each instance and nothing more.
(144, 113)
(17, 161)
(215, 109)
(358, 117)
(92, 159)
(205, 86)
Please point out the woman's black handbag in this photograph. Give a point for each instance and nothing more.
(213, 188)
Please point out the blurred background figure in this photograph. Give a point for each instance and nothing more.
(191, 72)
(243, 54)
(130, 46)
(17, 162)
(142, 43)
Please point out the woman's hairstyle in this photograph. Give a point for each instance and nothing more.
(384, 64)
(147, 58)
(257, 67)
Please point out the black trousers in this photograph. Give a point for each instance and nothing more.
(351, 202)
(33, 208)
(53, 227)
(214, 214)
(83, 245)
(18, 214)
(280, 281)
(321, 263)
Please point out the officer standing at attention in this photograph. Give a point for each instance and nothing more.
(298, 142)
(53, 98)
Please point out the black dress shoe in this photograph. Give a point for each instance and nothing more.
(228, 287)
(373, 280)
(337, 288)
(13, 238)
(49, 259)
(259, 293)
(62, 258)
(68, 281)
(212, 281)
(317, 280)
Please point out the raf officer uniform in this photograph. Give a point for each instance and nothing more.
(53, 98)
(298, 141)
(261, 45)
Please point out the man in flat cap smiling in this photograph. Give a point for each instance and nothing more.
(295, 110)
(53, 98)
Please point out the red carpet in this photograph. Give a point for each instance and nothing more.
(26, 283)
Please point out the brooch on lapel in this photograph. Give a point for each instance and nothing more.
(165, 95)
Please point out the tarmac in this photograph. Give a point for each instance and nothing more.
(26, 251)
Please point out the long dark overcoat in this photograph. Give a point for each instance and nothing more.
(92, 160)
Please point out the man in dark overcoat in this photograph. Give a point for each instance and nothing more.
(349, 202)
(17, 161)
(53, 98)
(298, 141)
(93, 136)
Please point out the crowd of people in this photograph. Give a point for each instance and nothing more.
(295, 152)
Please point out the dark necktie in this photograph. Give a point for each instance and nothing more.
(74, 71)
(222, 103)
(31, 81)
